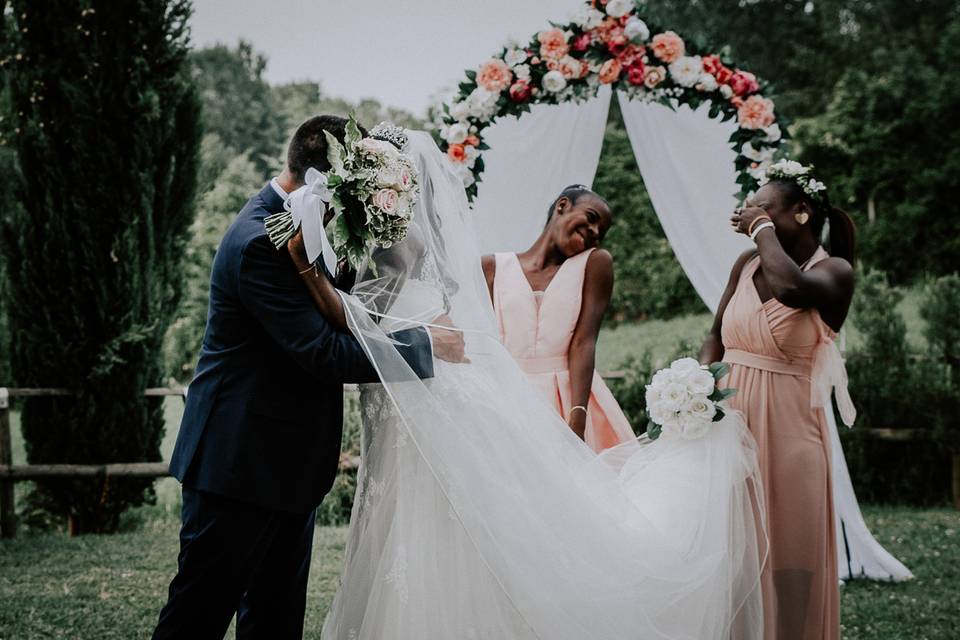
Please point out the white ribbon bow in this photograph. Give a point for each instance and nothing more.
(307, 206)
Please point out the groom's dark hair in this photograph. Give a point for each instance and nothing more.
(308, 148)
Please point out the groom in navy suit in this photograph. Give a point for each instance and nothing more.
(259, 444)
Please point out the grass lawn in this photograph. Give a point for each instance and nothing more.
(109, 587)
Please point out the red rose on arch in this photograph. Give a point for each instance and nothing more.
(713, 66)
(636, 74)
(743, 83)
(582, 42)
(631, 54)
(520, 91)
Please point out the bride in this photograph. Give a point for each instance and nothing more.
(479, 513)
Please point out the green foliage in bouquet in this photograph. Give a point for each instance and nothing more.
(106, 127)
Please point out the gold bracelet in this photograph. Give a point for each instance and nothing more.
(579, 406)
(754, 223)
(311, 267)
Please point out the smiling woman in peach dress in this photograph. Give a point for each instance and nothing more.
(549, 302)
(776, 323)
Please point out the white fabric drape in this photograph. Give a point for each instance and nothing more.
(530, 160)
(688, 169)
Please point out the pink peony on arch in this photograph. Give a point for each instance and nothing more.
(608, 42)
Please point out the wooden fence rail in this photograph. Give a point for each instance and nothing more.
(10, 473)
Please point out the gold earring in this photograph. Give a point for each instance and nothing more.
(802, 218)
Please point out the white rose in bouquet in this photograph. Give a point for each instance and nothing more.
(693, 427)
(683, 399)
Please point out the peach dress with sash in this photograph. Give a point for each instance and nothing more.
(784, 364)
(537, 327)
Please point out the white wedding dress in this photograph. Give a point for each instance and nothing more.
(478, 513)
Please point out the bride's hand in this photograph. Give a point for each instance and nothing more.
(447, 345)
(298, 250)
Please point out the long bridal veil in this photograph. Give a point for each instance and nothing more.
(479, 514)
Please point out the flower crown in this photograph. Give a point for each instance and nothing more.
(793, 171)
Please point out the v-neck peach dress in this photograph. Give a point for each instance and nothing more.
(537, 327)
(784, 364)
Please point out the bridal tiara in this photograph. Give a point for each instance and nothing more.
(389, 132)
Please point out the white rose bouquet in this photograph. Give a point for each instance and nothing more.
(371, 187)
(684, 400)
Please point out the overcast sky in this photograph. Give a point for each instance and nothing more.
(401, 52)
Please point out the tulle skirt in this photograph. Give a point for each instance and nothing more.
(502, 524)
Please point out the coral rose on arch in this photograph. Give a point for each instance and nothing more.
(569, 67)
(756, 112)
(494, 75)
(553, 43)
(457, 153)
(610, 71)
(654, 76)
(668, 46)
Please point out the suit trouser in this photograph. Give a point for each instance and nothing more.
(240, 558)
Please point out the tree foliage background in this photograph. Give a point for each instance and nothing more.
(106, 159)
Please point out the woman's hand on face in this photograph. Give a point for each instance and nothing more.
(743, 217)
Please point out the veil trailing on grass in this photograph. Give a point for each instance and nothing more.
(479, 514)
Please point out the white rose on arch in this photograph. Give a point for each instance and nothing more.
(460, 111)
(707, 82)
(757, 155)
(515, 57)
(457, 133)
(465, 174)
(482, 103)
(686, 71)
(772, 133)
(554, 82)
(759, 172)
(587, 18)
(471, 154)
(619, 8)
(522, 71)
(636, 29)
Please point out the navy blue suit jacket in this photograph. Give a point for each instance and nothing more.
(264, 413)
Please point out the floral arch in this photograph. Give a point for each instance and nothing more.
(609, 42)
(684, 155)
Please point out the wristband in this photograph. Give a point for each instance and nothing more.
(756, 232)
(754, 224)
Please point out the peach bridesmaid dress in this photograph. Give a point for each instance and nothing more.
(784, 363)
(537, 326)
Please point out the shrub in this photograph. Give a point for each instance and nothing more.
(893, 389)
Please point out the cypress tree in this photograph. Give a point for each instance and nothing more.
(106, 128)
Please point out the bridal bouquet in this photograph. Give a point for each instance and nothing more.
(371, 187)
(684, 399)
